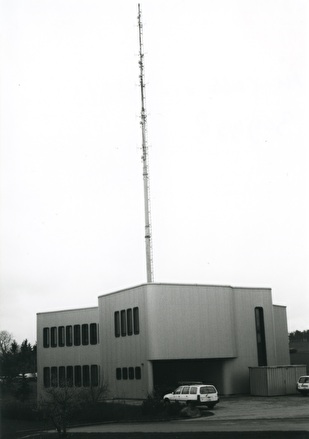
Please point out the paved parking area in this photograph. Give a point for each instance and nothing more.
(282, 413)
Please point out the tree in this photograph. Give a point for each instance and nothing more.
(5, 342)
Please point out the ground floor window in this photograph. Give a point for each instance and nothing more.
(123, 373)
(80, 376)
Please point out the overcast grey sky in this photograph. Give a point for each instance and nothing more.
(227, 101)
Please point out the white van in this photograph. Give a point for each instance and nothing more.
(197, 394)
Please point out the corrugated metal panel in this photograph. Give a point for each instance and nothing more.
(275, 380)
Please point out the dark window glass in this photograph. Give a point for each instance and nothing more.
(136, 320)
(129, 321)
(85, 336)
(86, 376)
(53, 336)
(93, 333)
(61, 336)
(69, 335)
(185, 390)
(193, 390)
(46, 337)
(54, 377)
(76, 335)
(118, 373)
(94, 370)
(260, 336)
(62, 376)
(69, 376)
(46, 376)
(138, 373)
(123, 323)
(131, 373)
(117, 324)
(78, 376)
(124, 373)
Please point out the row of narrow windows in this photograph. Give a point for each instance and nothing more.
(70, 376)
(126, 322)
(70, 335)
(131, 373)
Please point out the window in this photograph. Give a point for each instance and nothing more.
(68, 335)
(76, 335)
(118, 373)
(46, 376)
(124, 373)
(93, 333)
(131, 373)
(54, 377)
(53, 337)
(185, 390)
(62, 376)
(85, 337)
(193, 390)
(46, 337)
(136, 320)
(260, 336)
(78, 376)
(129, 321)
(117, 324)
(94, 370)
(138, 373)
(70, 376)
(86, 376)
(61, 336)
(123, 323)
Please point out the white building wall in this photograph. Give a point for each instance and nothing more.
(66, 355)
(124, 351)
(190, 321)
(281, 335)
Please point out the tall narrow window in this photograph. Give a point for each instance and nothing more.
(118, 373)
(46, 376)
(138, 373)
(94, 371)
(46, 337)
(78, 376)
(129, 321)
(123, 323)
(76, 335)
(260, 336)
(86, 376)
(124, 373)
(61, 336)
(62, 382)
(85, 336)
(93, 333)
(69, 376)
(54, 377)
(136, 320)
(117, 324)
(68, 335)
(131, 373)
(53, 336)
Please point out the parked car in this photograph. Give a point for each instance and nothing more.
(302, 385)
(197, 394)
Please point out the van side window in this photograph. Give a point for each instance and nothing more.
(193, 390)
(185, 390)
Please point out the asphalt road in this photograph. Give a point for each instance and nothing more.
(241, 414)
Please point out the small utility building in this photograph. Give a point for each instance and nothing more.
(155, 335)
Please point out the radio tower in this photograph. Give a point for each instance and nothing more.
(145, 160)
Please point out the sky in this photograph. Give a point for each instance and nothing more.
(227, 103)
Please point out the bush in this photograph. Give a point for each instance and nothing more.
(18, 410)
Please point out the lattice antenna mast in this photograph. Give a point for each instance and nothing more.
(145, 159)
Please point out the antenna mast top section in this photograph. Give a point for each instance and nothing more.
(145, 160)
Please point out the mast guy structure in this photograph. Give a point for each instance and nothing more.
(145, 160)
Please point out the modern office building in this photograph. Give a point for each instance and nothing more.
(155, 335)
